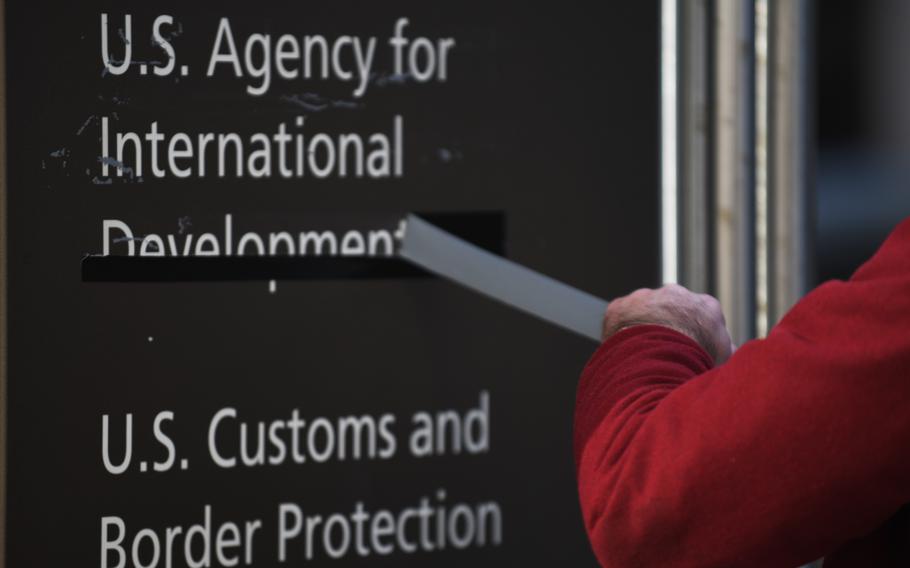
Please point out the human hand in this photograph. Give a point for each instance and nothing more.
(697, 316)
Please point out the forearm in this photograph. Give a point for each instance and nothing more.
(799, 440)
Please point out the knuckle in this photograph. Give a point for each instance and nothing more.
(710, 301)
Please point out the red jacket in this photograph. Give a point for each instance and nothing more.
(798, 447)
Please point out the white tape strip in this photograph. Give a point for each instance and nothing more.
(448, 256)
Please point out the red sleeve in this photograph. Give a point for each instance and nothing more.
(797, 444)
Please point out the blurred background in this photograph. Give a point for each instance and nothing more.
(862, 129)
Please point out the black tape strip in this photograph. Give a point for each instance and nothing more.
(484, 229)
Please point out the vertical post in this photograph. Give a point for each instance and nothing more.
(669, 170)
(734, 133)
(762, 205)
(789, 172)
(695, 119)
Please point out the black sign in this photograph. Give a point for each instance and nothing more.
(248, 376)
